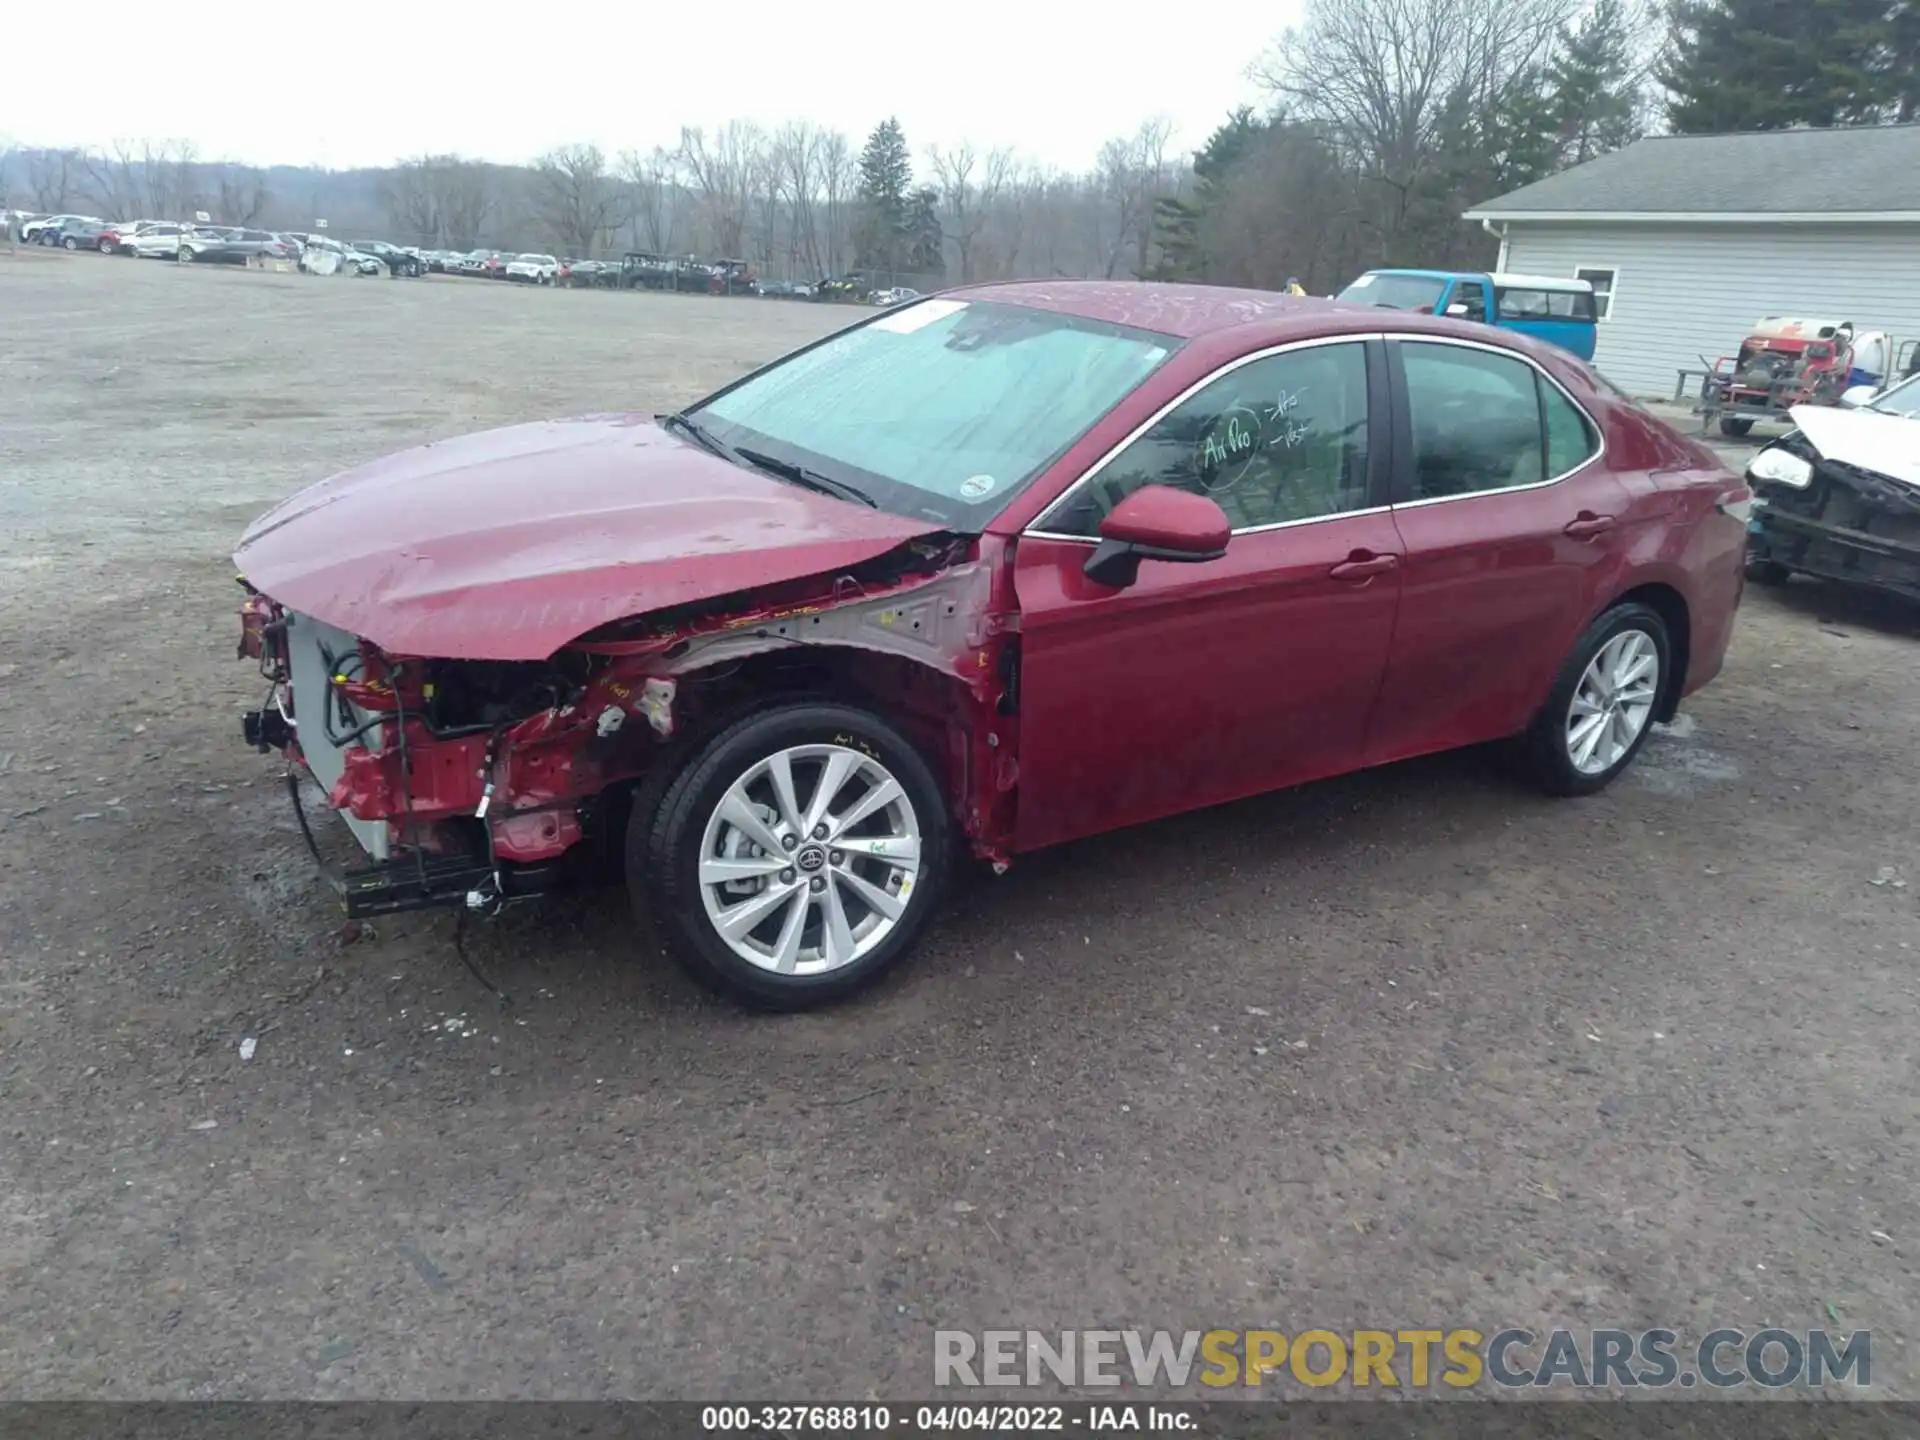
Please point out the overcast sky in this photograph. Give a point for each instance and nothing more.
(308, 83)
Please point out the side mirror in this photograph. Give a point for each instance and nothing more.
(1858, 395)
(1157, 522)
(1458, 308)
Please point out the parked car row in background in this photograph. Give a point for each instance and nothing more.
(318, 253)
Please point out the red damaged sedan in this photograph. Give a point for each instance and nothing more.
(987, 572)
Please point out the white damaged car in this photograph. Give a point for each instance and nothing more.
(1839, 495)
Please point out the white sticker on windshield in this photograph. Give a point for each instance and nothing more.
(974, 486)
(909, 318)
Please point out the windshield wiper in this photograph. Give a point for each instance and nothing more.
(701, 436)
(758, 460)
(811, 479)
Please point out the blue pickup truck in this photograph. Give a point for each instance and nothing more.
(1561, 312)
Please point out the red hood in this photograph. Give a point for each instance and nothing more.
(507, 544)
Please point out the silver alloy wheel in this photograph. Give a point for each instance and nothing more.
(1613, 701)
(809, 860)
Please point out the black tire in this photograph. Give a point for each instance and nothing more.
(1735, 425)
(1762, 571)
(1543, 748)
(70, 243)
(663, 851)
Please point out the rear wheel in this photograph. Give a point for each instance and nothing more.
(1601, 707)
(70, 243)
(1735, 425)
(796, 857)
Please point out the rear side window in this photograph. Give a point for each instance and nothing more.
(1571, 439)
(1517, 303)
(1476, 421)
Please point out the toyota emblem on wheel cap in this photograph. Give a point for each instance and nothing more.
(811, 858)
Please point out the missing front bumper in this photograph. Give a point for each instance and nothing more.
(1834, 552)
(414, 881)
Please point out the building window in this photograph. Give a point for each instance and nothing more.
(1603, 283)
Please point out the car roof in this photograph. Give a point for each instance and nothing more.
(1185, 311)
(1258, 318)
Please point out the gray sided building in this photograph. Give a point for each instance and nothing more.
(1690, 239)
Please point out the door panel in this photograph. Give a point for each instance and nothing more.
(1199, 683)
(1497, 581)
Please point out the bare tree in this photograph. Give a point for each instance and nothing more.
(726, 170)
(1132, 174)
(240, 194)
(1388, 82)
(54, 178)
(969, 188)
(143, 179)
(575, 197)
(795, 174)
(652, 196)
(838, 171)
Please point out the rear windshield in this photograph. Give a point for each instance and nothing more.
(1396, 292)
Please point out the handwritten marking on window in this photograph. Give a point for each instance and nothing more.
(1228, 447)
(1288, 429)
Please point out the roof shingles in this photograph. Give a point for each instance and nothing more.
(1868, 170)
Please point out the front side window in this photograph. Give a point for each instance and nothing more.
(941, 409)
(1476, 421)
(1280, 439)
(1468, 302)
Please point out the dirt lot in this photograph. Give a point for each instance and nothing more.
(1412, 1047)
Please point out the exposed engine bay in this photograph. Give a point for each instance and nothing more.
(477, 781)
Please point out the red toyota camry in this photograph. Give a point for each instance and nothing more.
(987, 572)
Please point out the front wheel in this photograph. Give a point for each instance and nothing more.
(185, 257)
(1601, 707)
(796, 857)
(1735, 425)
(1762, 571)
(70, 243)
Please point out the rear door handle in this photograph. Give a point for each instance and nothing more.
(1363, 566)
(1587, 524)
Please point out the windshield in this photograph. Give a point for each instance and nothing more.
(1395, 292)
(941, 409)
(1903, 399)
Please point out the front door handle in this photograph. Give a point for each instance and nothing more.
(1363, 565)
(1587, 524)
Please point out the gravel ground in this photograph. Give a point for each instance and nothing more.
(1410, 1047)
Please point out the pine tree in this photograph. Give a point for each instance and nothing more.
(1774, 64)
(1593, 92)
(886, 174)
(922, 240)
(1178, 223)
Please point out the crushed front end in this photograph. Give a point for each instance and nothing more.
(416, 754)
(472, 782)
(1815, 514)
